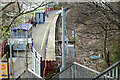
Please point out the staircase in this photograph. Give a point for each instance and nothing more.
(111, 73)
(76, 70)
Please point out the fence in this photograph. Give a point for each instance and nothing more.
(36, 62)
(42, 68)
(52, 8)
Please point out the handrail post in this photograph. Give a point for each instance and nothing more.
(41, 66)
(109, 75)
(72, 71)
(76, 72)
(117, 72)
(113, 73)
(106, 77)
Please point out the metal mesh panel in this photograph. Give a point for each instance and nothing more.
(76, 71)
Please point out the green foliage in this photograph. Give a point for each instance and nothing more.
(4, 57)
(58, 6)
(41, 9)
(115, 52)
(6, 35)
(26, 17)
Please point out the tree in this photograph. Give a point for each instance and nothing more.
(94, 30)
(14, 11)
(18, 9)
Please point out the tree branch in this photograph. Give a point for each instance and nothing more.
(41, 5)
(22, 13)
(107, 14)
(18, 6)
(7, 5)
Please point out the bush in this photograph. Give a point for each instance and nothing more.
(115, 52)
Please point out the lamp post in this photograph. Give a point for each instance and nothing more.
(63, 37)
(10, 53)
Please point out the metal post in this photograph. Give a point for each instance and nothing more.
(72, 71)
(109, 75)
(76, 72)
(26, 54)
(117, 73)
(41, 66)
(17, 50)
(106, 76)
(34, 62)
(74, 38)
(63, 39)
(113, 73)
(10, 54)
(8, 63)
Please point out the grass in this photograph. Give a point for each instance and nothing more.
(4, 57)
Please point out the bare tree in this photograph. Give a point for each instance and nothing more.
(20, 10)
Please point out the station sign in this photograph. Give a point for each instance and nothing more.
(4, 71)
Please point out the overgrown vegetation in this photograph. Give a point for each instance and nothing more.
(115, 52)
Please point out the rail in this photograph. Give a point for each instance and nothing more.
(110, 73)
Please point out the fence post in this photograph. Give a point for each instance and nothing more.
(75, 72)
(40, 66)
(117, 72)
(8, 64)
(34, 62)
(72, 71)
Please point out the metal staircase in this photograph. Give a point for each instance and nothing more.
(76, 70)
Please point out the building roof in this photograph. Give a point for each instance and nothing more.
(40, 11)
(22, 26)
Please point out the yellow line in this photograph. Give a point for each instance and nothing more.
(44, 36)
(46, 32)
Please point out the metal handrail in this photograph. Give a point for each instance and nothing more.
(107, 70)
(86, 68)
(38, 76)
